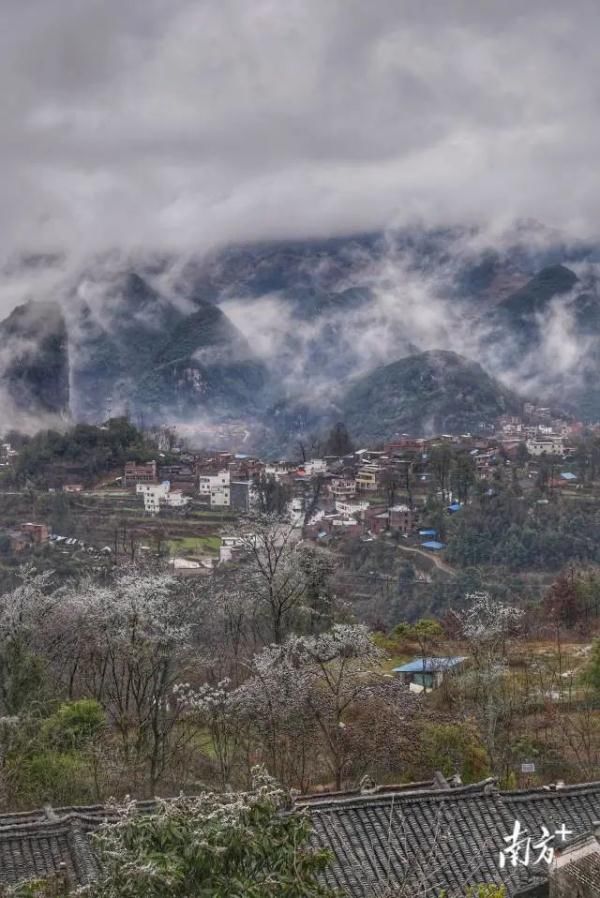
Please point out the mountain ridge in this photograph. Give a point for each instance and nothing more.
(436, 391)
(277, 332)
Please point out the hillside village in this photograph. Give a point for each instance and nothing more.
(193, 499)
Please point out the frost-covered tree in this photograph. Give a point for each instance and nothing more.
(296, 705)
(486, 625)
(129, 641)
(24, 612)
(218, 710)
(316, 681)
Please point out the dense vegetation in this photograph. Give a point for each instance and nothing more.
(85, 450)
(432, 392)
(506, 529)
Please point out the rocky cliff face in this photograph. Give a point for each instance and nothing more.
(34, 359)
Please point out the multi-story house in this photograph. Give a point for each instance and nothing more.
(367, 477)
(342, 487)
(349, 507)
(403, 519)
(547, 445)
(152, 494)
(313, 467)
(215, 487)
(140, 473)
(158, 495)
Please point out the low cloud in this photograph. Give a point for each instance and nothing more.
(156, 132)
(175, 124)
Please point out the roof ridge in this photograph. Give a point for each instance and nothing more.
(41, 825)
(36, 815)
(551, 789)
(346, 799)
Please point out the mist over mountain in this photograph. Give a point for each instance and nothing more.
(278, 335)
(34, 364)
(347, 184)
(137, 352)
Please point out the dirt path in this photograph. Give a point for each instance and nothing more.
(430, 556)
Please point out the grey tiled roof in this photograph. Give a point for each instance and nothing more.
(427, 838)
(31, 850)
(38, 843)
(430, 840)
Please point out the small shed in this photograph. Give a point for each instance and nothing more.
(431, 533)
(568, 476)
(429, 673)
(433, 545)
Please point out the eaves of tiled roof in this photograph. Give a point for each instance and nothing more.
(36, 844)
(427, 841)
(424, 838)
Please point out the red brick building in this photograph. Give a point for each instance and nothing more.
(140, 473)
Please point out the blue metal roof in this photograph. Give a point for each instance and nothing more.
(456, 506)
(427, 532)
(567, 475)
(430, 665)
(433, 544)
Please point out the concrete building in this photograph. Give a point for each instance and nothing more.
(38, 533)
(176, 499)
(152, 493)
(220, 496)
(279, 470)
(242, 495)
(403, 519)
(28, 535)
(159, 495)
(181, 477)
(351, 507)
(546, 446)
(230, 546)
(314, 466)
(367, 478)
(342, 488)
(216, 487)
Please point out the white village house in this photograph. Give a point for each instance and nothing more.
(217, 487)
(157, 495)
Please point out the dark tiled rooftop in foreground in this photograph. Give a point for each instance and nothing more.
(426, 836)
(38, 843)
(434, 839)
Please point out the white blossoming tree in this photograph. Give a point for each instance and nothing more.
(486, 625)
(296, 703)
(24, 612)
(126, 643)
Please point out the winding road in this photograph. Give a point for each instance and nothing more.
(430, 556)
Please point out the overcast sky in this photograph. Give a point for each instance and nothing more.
(184, 123)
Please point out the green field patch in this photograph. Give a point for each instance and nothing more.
(193, 545)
